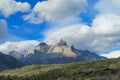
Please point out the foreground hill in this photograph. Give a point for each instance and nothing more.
(96, 70)
(9, 62)
(56, 54)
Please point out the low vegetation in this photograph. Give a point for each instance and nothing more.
(96, 70)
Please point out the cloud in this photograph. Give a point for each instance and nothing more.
(3, 28)
(102, 35)
(107, 24)
(113, 54)
(20, 46)
(53, 10)
(108, 6)
(5, 35)
(107, 28)
(9, 7)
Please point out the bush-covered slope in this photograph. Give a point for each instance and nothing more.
(97, 70)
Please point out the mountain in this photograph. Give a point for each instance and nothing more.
(95, 70)
(59, 53)
(9, 62)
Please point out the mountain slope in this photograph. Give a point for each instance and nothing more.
(9, 62)
(60, 53)
(96, 70)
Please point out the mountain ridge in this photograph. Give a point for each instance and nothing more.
(59, 53)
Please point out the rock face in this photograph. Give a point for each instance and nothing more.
(62, 43)
(42, 47)
(16, 54)
(60, 53)
(9, 62)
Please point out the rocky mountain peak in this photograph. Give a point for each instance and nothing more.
(42, 47)
(72, 47)
(62, 43)
(60, 53)
(43, 44)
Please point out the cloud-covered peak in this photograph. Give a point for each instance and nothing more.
(79, 34)
(102, 35)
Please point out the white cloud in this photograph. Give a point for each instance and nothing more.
(20, 47)
(3, 28)
(108, 6)
(52, 10)
(107, 28)
(8, 7)
(107, 24)
(113, 54)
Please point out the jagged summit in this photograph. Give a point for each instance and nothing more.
(62, 43)
(72, 47)
(43, 44)
(42, 47)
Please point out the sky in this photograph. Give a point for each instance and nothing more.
(87, 24)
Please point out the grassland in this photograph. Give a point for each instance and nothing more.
(96, 70)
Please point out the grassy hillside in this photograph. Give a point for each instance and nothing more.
(9, 62)
(97, 70)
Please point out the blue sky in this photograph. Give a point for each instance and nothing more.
(18, 27)
(26, 30)
(88, 24)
